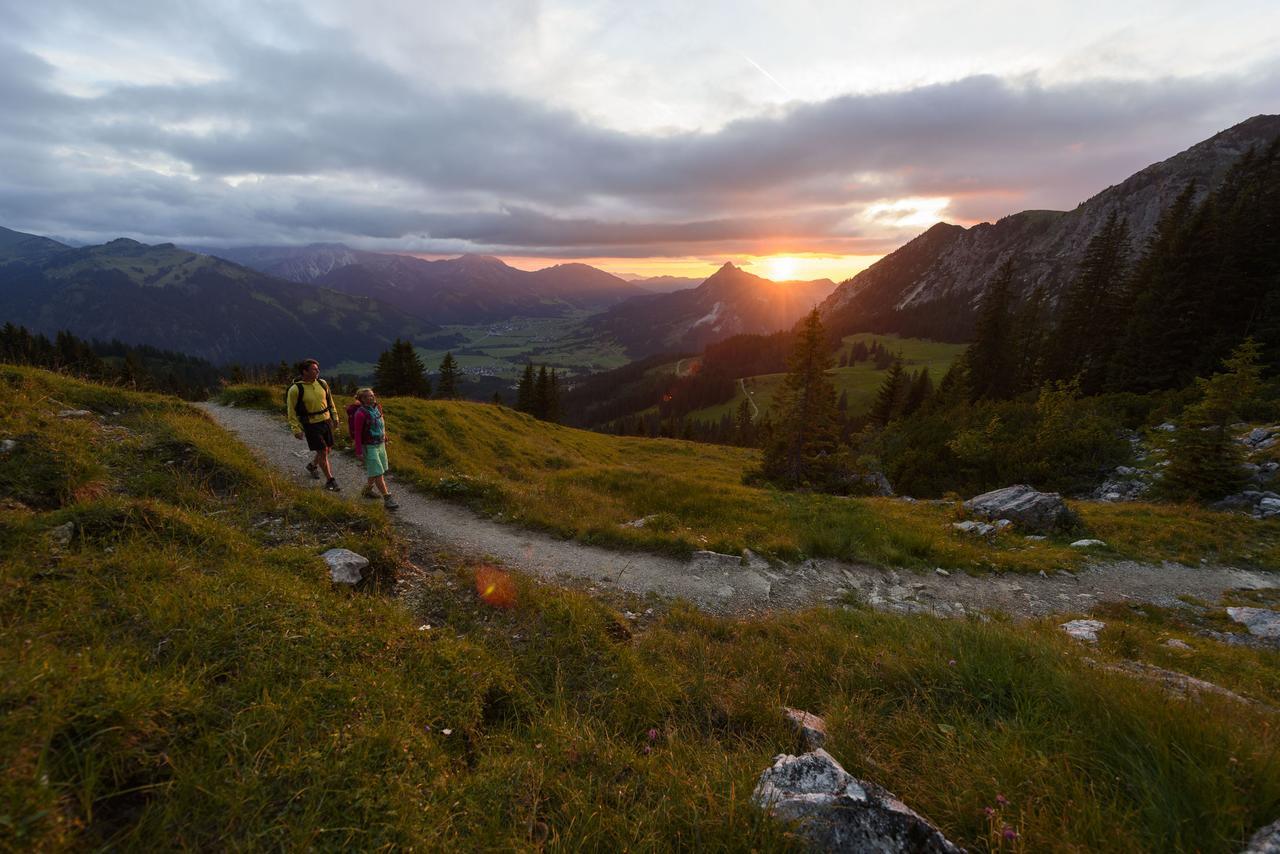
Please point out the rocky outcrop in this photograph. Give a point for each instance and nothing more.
(1260, 504)
(1260, 622)
(1029, 510)
(1084, 630)
(838, 812)
(1265, 841)
(811, 728)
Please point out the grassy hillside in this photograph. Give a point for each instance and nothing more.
(181, 673)
(583, 485)
(860, 382)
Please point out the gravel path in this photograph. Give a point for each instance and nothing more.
(729, 584)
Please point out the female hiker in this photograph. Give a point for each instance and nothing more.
(369, 434)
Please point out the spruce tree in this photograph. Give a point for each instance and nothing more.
(744, 428)
(918, 394)
(524, 390)
(1092, 321)
(885, 407)
(989, 359)
(803, 450)
(400, 372)
(541, 394)
(447, 388)
(553, 398)
(1205, 461)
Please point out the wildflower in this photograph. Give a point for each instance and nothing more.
(653, 734)
(1002, 800)
(988, 811)
(1009, 833)
(951, 663)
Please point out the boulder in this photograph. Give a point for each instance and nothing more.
(7, 446)
(811, 728)
(1260, 622)
(63, 533)
(978, 529)
(1025, 507)
(838, 812)
(1087, 544)
(1265, 841)
(74, 413)
(345, 566)
(1084, 630)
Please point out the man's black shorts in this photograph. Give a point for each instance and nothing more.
(319, 435)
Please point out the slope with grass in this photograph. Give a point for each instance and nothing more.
(587, 486)
(859, 382)
(182, 674)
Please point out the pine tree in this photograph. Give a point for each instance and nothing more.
(447, 388)
(1205, 461)
(525, 389)
(541, 394)
(744, 428)
(844, 359)
(988, 358)
(803, 451)
(553, 398)
(400, 372)
(885, 406)
(1030, 333)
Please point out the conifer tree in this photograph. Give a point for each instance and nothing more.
(744, 428)
(1030, 337)
(1091, 321)
(553, 398)
(803, 450)
(1205, 461)
(541, 394)
(400, 372)
(988, 358)
(918, 394)
(885, 407)
(524, 391)
(447, 388)
(843, 403)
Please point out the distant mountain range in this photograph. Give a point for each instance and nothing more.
(464, 290)
(664, 284)
(931, 285)
(189, 303)
(730, 302)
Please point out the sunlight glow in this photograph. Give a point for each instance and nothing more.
(913, 212)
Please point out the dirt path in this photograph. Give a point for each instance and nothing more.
(755, 410)
(729, 584)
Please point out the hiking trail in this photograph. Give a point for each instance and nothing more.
(727, 584)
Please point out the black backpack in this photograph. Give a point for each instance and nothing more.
(298, 406)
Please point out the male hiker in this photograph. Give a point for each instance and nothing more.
(311, 413)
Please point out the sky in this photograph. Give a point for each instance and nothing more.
(799, 139)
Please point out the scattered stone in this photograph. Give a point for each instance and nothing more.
(1002, 524)
(1028, 509)
(1035, 538)
(1265, 841)
(7, 446)
(74, 413)
(838, 812)
(345, 566)
(942, 572)
(1167, 427)
(1259, 437)
(63, 533)
(1087, 544)
(811, 728)
(978, 529)
(1260, 622)
(641, 522)
(1175, 643)
(1084, 630)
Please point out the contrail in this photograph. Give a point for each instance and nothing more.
(773, 79)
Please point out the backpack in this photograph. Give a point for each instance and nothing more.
(352, 408)
(298, 405)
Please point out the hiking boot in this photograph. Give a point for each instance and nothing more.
(332, 485)
(368, 493)
(390, 503)
(313, 470)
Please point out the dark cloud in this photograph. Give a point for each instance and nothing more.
(348, 149)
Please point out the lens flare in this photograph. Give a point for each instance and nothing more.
(495, 587)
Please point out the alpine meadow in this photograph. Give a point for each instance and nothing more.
(563, 428)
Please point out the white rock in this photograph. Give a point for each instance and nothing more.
(978, 529)
(1259, 621)
(942, 572)
(1174, 643)
(1166, 427)
(63, 533)
(74, 413)
(811, 728)
(1265, 841)
(1084, 630)
(7, 446)
(1087, 544)
(837, 812)
(345, 565)
(641, 522)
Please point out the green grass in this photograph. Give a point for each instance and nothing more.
(504, 348)
(182, 675)
(859, 382)
(586, 486)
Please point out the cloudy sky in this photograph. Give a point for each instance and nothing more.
(804, 138)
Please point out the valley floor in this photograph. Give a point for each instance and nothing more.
(726, 584)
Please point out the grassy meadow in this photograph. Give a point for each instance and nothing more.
(858, 382)
(583, 485)
(180, 673)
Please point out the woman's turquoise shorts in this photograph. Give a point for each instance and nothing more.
(375, 460)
